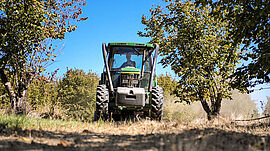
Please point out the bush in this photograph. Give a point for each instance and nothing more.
(167, 83)
(77, 91)
(72, 97)
(42, 96)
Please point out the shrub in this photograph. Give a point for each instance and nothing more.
(72, 97)
(42, 97)
(76, 94)
(167, 83)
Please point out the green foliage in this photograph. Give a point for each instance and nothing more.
(72, 97)
(167, 83)
(195, 45)
(27, 30)
(13, 122)
(249, 24)
(42, 97)
(77, 92)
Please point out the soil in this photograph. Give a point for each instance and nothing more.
(144, 135)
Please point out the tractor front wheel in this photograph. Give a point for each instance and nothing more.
(102, 103)
(157, 103)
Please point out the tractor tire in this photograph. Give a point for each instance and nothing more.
(102, 103)
(157, 103)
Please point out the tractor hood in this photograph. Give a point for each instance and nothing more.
(130, 70)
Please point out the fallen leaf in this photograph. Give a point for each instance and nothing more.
(64, 143)
(27, 140)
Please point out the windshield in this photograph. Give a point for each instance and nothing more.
(132, 57)
(123, 57)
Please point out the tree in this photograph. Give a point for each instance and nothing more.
(77, 94)
(249, 24)
(27, 29)
(194, 44)
(167, 83)
(267, 107)
(3, 98)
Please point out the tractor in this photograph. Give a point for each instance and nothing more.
(128, 84)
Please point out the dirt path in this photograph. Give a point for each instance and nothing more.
(144, 135)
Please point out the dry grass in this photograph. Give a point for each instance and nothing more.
(141, 127)
(174, 114)
(182, 112)
(184, 128)
(240, 107)
(41, 134)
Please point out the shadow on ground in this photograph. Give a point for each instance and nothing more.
(193, 139)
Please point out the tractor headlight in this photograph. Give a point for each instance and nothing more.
(135, 82)
(125, 81)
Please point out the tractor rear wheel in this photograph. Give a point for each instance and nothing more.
(157, 103)
(102, 103)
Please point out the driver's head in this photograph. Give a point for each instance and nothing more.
(128, 56)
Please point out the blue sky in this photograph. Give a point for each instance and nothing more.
(110, 21)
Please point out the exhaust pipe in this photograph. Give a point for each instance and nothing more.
(107, 67)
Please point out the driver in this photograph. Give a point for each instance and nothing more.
(128, 63)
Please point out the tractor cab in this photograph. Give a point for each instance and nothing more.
(130, 65)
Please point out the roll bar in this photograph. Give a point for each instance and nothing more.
(153, 68)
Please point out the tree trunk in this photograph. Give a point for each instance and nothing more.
(17, 100)
(22, 90)
(212, 112)
(11, 93)
(212, 116)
